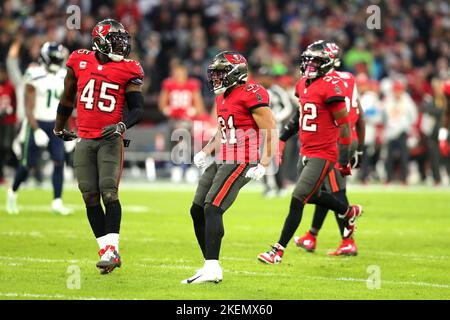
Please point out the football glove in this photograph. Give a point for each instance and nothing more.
(443, 142)
(344, 170)
(355, 162)
(41, 138)
(113, 131)
(256, 173)
(200, 159)
(65, 135)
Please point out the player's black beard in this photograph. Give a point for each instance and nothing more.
(102, 58)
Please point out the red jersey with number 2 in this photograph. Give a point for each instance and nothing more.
(239, 133)
(318, 130)
(100, 90)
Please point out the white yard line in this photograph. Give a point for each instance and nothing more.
(250, 273)
(46, 296)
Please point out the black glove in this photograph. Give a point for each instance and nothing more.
(356, 159)
(113, 131)
(65, 135)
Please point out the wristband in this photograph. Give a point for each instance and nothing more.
(443, 134)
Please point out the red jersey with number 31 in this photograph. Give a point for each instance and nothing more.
(318, 130)
(239, 133)
(100, 90)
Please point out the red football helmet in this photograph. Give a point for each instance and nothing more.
(110, 38)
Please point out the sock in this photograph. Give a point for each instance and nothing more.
(211, 264)
(292, 221)
(214, 231)
(320, 214)
(329, 201)
(21, 176)
(57, 180)
(198, 218)
(113, 217)
(113, 240)
(96, 218)
(341, 195)
(102, 241)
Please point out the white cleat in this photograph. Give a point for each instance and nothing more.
(203, 275)
(59, 208)
(11, 202)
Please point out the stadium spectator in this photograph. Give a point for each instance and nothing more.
(400, 114)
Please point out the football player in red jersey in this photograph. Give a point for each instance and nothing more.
(243, 118)
(322, 119)
(7, 117)
(334, 182)
(443, 131)
(102, 81)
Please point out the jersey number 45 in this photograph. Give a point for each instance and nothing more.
(108, 92)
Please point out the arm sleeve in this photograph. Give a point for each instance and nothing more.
(291, 128)
(135, 103)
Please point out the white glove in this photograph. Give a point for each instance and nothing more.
(256, 173)
(41, 138)
(200, 159)
(69, 146)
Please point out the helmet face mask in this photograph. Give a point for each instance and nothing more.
(226, 70)
(110, 38)
(52, 55)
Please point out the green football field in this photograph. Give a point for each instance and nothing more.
(403, 240)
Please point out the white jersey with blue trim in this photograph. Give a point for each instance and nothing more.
(49, 88)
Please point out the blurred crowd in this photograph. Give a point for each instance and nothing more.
(401, 68)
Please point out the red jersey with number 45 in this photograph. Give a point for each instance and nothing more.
(239, 133)
(351, 100)
(100, 90)
(318, 130)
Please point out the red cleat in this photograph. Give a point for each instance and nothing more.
(347, 248)
(351, 216)
(272, 256)
(307, 242)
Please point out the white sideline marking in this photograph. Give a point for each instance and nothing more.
(47, 296)
(77, 207)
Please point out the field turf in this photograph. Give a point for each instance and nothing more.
(404, 234)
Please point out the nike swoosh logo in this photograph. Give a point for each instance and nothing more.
(192, 280)
(346, 247)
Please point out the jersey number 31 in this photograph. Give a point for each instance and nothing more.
(106, 88)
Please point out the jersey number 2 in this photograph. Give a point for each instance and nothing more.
(306, 118)
(87, 96)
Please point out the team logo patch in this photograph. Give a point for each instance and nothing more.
(83, 64)
(235, 58)
(258, 97)
(101, 31)
(337, 89)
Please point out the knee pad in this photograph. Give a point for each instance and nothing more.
(213, 218)
(91, 198)
(109, 196)
(108, 190)
(197, 212)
